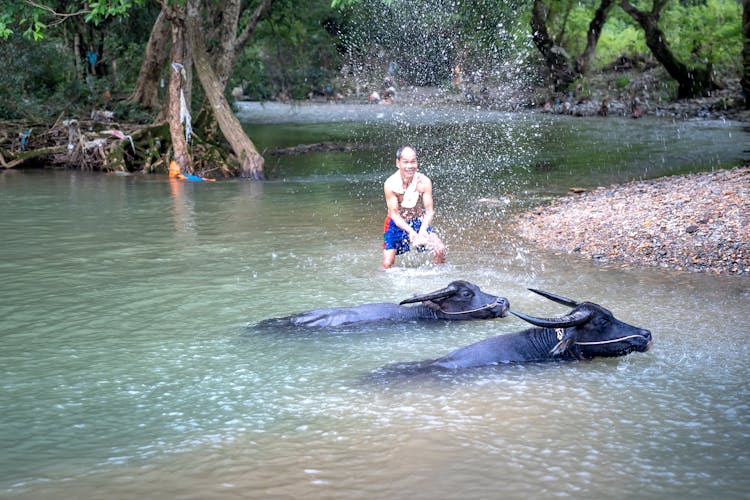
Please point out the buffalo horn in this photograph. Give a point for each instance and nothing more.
(439, 294)
(556, 298)
(573, 319)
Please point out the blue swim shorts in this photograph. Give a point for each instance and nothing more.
(396, 238)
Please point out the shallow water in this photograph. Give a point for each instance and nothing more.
(129, 369)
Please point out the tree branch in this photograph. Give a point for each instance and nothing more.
(53, 12)
(657, 7)
(252, 23)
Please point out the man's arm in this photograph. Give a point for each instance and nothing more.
(427, 202)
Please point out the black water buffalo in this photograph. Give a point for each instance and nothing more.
(460, 300)
(587, 332)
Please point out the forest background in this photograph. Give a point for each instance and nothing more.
(164, 73)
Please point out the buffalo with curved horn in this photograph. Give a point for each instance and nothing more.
(460, 300)
(587, 332)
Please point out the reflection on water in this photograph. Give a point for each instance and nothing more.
(182, 211)
(129, 370)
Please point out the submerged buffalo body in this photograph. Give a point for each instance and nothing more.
(587, 332)
(460, 300)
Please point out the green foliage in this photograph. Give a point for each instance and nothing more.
(572, 21)
(33, 72)
(39, 74)
(5, 21)
(620, 36)
(103, 9)
(622, 82)
(490, 31)
(292, 53)
(568, 24)
(304, 47)
(701, 32)
(250, 74)
(706, 32)
(124, 44)
(35, 19)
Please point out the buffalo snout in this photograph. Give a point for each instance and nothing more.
(503, 306)
(646, 335)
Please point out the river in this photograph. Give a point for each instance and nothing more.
(130, 367)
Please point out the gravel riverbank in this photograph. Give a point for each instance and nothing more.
(695, 222)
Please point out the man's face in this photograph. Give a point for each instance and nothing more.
(408, 161)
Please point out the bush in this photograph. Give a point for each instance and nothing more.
(32, 73)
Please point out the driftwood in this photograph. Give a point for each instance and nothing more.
(26, 156)
(92, 144)
(99, 143)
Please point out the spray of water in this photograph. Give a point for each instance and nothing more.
(473, 54)
(474, 49)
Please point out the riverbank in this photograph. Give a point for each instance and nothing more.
(616, 92)
(695, 222)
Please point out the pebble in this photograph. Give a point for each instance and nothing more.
(694, 222)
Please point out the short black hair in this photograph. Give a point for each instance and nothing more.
(401, 150)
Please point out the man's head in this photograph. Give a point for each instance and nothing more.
(406, 159)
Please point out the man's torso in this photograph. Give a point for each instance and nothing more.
(409, 197)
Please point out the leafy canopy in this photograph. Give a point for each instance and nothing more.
(34, 18)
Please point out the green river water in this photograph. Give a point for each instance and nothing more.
(130, 367)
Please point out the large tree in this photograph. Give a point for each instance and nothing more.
(207, 34)
(563, 69)
(691, 81)
(226, 27)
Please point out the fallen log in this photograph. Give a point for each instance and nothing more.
(17, 159)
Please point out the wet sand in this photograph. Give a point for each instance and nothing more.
(696, 222)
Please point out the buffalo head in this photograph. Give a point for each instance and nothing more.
(462, 300)
(590, 330)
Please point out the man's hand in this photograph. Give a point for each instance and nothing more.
(419, 239)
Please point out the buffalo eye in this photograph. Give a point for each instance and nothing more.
(602, 323)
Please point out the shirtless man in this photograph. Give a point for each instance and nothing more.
(407, 222)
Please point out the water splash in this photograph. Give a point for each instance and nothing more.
(472, 49)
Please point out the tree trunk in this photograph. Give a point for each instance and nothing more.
(243, 37)
(179, 143)
(222, 56)
(251, 162)
(222, 24)
(692, 82)
(77, 52)
(146, 91)
(746, 51)
(562, 70)
(593, 34)
(190, 23)
(556, 59)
